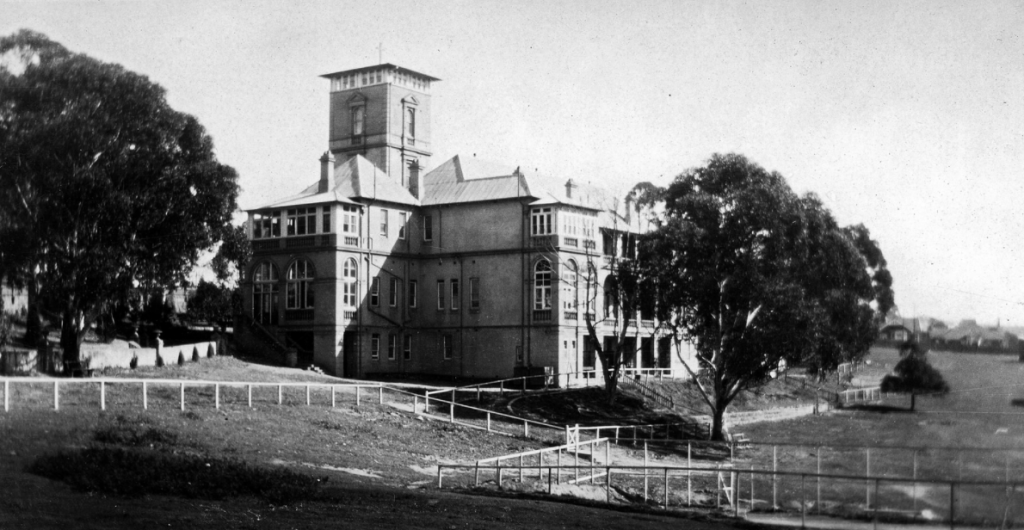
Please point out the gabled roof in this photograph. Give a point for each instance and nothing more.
(355, 178)
(458, 181)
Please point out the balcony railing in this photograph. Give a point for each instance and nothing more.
(350, 241)
(298, 315)
(541, 315)
(348, 315)
(570, 315)
(312, 240)
(570, 242)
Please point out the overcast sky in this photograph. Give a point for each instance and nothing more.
(905, 116)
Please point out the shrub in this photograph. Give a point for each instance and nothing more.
(134, 472)
(159, 361)
(134, 363)
(181, 358)
(195, 354)
(210, 352)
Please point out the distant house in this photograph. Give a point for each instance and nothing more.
(968, 335)
(897, 330)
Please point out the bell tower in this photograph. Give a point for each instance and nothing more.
(382, 113)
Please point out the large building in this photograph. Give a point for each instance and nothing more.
(468, 270)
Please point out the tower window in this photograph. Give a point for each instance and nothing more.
(540, 222)
(384, 223)
(542, 285)
(358, 119)
(474, 293)
(393, 291)
(410, 123)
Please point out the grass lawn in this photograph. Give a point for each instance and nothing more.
(977, 413)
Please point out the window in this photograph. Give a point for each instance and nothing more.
(455, 294)
(440, 294)
(589, 352)
(393, 291)
(446, 345)
(392, 346)
(412, 293)
(384, 223)
(265, 294)
(299, 289)
(540, 224)
(407, 347)
(301, 221)
(375, 346)
(428, 228)
(350, 219)
(402, 219)
(348, 279)
(569, 286)
(519, 354)
(326, 221)
(266, 225)
(358, 119)
(542, 285)
(474, 293)
(410, 123)
(375, 292)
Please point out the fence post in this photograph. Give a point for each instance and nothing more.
(476, 474)
(645, 471)
(145, 400)
(666, 487)
(775, 477)
(56, 396)
(248, 392)
(803, 503)
(526, 429)
(334, 398)
(478, 394)
(439, 476)
(103, 395)
(451, 409)
(817, 503)
(183, 397)
(488, 422)
(914, 495)
(867, 476)
(608, 485)
(558, 462)
(751, 487)
(499, 474)
(501, 388)
(416, 405)
(358, 396)
(280, 396)
(549, 480)
(735, 495)
(520, 468)
(576, 462)
(216, 395)
(7, 396)
(689, 473)
(307, 395)
(380, 395)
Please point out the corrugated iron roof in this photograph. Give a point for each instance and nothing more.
(356, 177)
(458, 181)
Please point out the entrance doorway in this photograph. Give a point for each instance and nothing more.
(349, 349)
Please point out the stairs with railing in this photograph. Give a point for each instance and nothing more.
(646, 391)
(265, 336)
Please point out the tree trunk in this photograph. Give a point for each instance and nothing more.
(33, 326)
(70, 338)
(611, 384)
(718, 422)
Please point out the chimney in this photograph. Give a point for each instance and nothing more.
(414, 178)
(326, 172)
(569, 185)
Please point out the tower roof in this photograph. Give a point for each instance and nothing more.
(374, 68)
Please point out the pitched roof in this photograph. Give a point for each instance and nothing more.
(471, 180)
(355, 178)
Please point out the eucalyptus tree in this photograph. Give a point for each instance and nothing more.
(104, 187)
(756, 278)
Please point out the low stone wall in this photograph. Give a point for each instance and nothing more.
(98, 357)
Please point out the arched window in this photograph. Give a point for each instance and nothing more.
(348, 278)
(569, 285)
(611, 297)
(542, 285)
(265, 293)
(299, 289)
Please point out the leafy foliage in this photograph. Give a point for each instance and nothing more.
(210, 302)
(104, 188)
(757, 277)
(914, 375)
